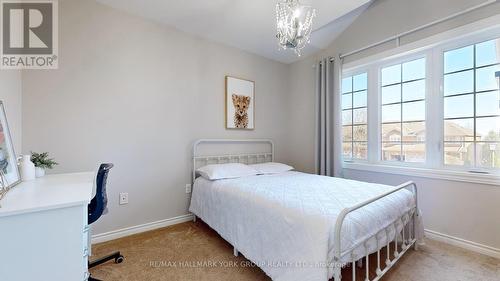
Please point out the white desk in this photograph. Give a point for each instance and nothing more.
(43, 229)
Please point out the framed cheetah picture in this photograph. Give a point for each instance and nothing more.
(240, 103)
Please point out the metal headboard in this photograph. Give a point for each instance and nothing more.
(246, 158)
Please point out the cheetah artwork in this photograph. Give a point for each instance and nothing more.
(241, 104)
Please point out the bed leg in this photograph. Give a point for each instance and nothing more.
(194, 218)
(337, 273)
(415, 215)
(235, 252)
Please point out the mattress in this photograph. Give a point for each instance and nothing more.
(284, 223)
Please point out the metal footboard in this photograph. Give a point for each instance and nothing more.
(408, 235)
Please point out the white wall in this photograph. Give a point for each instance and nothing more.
(11, 96)
(138, 94)
(464, 210)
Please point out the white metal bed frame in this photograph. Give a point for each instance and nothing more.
(229, 158)
(409, 219)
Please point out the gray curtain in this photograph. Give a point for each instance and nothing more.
(328, 118)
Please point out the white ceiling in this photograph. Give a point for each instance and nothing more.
(245, 24)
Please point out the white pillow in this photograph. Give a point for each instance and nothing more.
(226, 171)
(271, 168)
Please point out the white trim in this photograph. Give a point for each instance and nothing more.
(434, 235)
(119, 233)
(460, 176)
(462, 243)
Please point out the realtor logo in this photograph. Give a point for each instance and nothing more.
(29, 34)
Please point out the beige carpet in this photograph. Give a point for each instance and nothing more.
(193, 251)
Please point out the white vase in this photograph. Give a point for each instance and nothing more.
(39, 172)
(27, 168)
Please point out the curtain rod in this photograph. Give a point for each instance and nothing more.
(330, 59)
(398, 36)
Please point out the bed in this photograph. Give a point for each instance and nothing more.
(298, 226)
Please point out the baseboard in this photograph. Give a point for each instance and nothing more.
(434, 235)
(115, 234)
(462, 243)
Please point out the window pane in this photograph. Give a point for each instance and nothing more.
(347, 85)
(346, 117)
(360, 133)
(414, 111)
(485, 78)
(413, 70)
(459, 130)
(459, 106)
(414, 90)
(391, 152)
(459, 59)
(488, 155)
(346, 101)
(391, 94)
(347, 149)
(360, 82)
(414, 131)
(459, 153)
(391, 132)
(360, 150)
(360, 99)
(488, 52)
(459, 83)
(391, 74)
(414, 152)
(488, 129)
(471, 138)
(391, 113)
(347, 133)
(488, 103)
(360, 116)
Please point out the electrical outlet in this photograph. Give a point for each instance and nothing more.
(188, 188)
(123, 198)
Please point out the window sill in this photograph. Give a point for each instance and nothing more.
(461, 176)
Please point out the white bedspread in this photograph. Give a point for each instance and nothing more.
(285, 223)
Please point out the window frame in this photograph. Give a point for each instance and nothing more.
(433, 52)
(439, 51)
(351, 74)
(391, 62)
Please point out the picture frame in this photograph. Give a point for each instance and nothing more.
(9, 171)
(239, 103)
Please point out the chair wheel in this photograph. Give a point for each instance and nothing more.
(119, 259)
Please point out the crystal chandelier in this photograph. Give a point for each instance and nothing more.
(294, 24)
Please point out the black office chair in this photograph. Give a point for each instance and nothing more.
(96, 209)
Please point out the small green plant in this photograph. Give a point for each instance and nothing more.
(42, 160)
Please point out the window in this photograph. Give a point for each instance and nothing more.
(403, 111)
(472, 106)
(436, 108)
(354, 116)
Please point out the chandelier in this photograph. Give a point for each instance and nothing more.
(294, 24)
